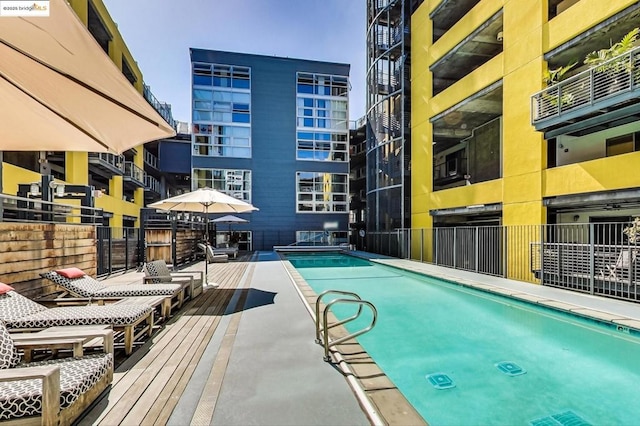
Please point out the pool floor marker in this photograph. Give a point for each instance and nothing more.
(566, 418)
(510, 368)
(440, 381)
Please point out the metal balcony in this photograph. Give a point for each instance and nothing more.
(598, 98)
(150, 159)
(163, 108)
(151, 184)
(133, 174)
(106, 164)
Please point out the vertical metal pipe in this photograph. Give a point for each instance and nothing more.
(455, 246)
(592, 269)
(477, 247)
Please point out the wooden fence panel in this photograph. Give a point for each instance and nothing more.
(29, 249)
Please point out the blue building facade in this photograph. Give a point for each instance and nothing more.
(274, 132)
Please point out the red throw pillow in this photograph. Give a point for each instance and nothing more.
(71, 273)
(5, 288)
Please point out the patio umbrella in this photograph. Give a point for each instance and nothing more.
(60, 90)
(204, 200)
(230, 219)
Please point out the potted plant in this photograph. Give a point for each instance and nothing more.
(633, 231)
(551, 102)
(613, 74)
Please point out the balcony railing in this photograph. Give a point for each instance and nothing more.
(163, 108)
(151, 184)
(150, 159)
(602, 86)
(111, 162)
(133, 174)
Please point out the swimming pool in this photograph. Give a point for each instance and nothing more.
(463, 356)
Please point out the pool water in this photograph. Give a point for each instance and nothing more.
(465, 357)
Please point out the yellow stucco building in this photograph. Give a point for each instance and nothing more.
(484, 148)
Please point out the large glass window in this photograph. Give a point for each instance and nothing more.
(322, 117)
(319, 192)
(225, 105)
(236, 183)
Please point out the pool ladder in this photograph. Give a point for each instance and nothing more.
(323, 327)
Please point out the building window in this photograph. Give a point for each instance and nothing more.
(621, 144)
(225, 106)
(318, 192)
(322, 117)
(322, 146)
(236, 183)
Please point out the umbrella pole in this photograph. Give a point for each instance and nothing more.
(206, 243)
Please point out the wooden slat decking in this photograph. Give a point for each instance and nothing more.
(148, 384)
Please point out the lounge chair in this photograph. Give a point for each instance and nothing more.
(224, 248)
(79, 284)
(625, 260)
(158, 272)
(22, 314)
(50, 392)
(211, 256)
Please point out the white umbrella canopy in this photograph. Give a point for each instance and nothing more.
(204, 200)
(60, 91)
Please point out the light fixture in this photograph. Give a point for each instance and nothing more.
(34, 188)
(57, 187)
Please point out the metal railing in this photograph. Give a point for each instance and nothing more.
(22, 209)
(118, 249)
(150, 159)
(322, 321)
(163, 108)
(113, 160)
(134, 173)
(597, 84)
(594, 258)
(152, 184)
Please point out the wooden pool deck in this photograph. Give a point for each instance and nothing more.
(147, 385)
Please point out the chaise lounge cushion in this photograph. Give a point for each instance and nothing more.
(9, 356)
(77, 375)
(20, 312)
(90, 287)
(23, 398)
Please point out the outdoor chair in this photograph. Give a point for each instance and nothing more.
(157, 272)
(50, 392)
(211, 256)
(79, 284)
(22, 314)
(224, 248)
(623, 263)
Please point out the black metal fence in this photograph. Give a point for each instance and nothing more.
(594, 258)
(118, 249)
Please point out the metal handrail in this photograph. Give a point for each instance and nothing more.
(325, 325)
(318, 300)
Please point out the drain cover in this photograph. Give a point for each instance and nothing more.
(566, 418)
(510, 368)
(440, 381)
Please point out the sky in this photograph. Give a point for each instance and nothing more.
(160, 33)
